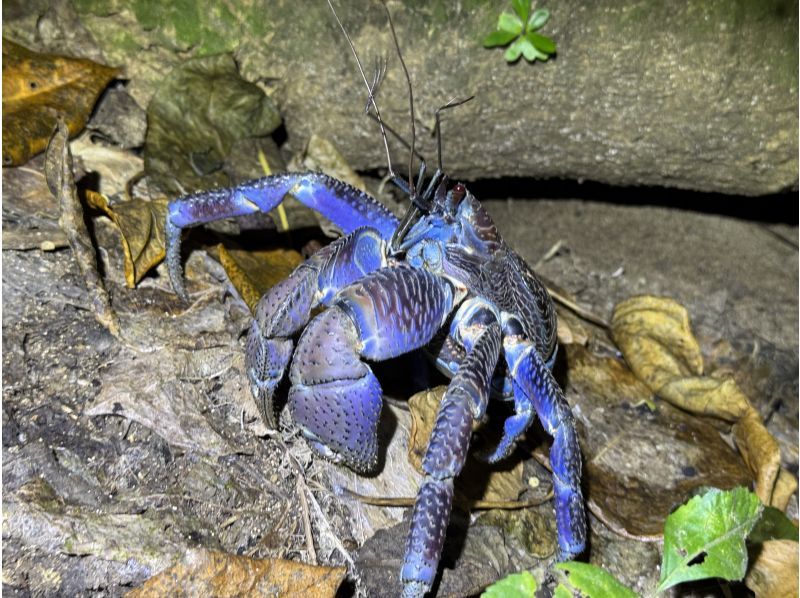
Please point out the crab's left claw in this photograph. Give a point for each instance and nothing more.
(344, 205)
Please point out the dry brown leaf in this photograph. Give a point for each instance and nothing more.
(141, 225)
(209, 573)
(253, 273)
(478, 480)
(656, 339)
(37, 89)
(773, 573)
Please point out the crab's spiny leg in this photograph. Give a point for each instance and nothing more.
(535, 388)
(347, 207)
(335, 398)
(286, 307)
(464, 402)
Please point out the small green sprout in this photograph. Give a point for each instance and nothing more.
(521, 29)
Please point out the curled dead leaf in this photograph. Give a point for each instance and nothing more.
(141, 225)
(656, 339)
(39, 88)
(209, 573)
(773, 573)
(253, 273)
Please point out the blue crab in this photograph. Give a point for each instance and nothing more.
(442, 278)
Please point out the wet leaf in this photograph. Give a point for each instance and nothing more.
(773, 525)
(656, 339)
(502, 483)
(594, 582)
(252, 273)
(705, 537)
(201, 108)
(773, 572)
(141, 225)
(518, 585)
(210, 573)
(37, 89)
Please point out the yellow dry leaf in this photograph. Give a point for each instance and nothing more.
(37, 89)
(253, 273)
(209, 573)
(760, 451)
(656, 339)
(707, 396)
(141, 225)
(785, 487)
(655, 336)
(773, 573)
(496, 483)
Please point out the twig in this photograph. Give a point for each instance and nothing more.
(301, 490)
(579, 311)
(477, 505)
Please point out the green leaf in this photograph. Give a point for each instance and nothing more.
(515, 50)
(538, 19)
(594, 582)
(773, 525)
(530, 52)
(561, 591)
(498, 38)
(522, 8)
(518, 585)
(542, 43)
(510, 23)
(705, 537)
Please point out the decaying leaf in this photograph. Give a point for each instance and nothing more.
(201, 108)
(773, 572)
(210, 573)
(39, 88)
(656, 339)
(141, 224)
(252, 273)
(502, 484)
(58, 172)
(705, 537)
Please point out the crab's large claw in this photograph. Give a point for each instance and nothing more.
(335, 398)
(346, 206)
(286, 308)
(535, 389)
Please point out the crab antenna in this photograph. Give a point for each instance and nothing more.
(371, 89)
(410, 100)
(452, 103)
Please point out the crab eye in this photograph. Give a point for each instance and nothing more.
(459, 191)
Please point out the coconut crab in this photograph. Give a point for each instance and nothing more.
(441, 277)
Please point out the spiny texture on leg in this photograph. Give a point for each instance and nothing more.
(397, 309)
(335, 398)
(444, 458)
(534, 382)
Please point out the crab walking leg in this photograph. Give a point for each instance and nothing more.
(335, 398)
(286, 307)
(535, 388)
(464, 402)
(347, 207)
